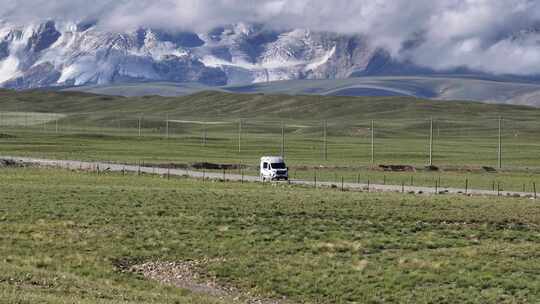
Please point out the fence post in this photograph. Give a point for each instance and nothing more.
(315, 179)
(534, 189)
(402, 187)
(466, 185)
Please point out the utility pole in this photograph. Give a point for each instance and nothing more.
(205, 134)
(282, 139)
(240, 136)
(499, 154)
(167, 126)
(372, 142)
(325, 139)
(431, 142)
(139, 125)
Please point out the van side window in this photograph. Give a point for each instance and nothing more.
(265, 165)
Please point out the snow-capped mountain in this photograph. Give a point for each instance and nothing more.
(74, 54)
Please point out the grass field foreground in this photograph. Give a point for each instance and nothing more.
(63, 231)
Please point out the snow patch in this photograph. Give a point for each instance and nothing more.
(321, 61)
(70, 72)
(9, 69)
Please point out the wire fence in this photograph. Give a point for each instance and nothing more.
(494, 142)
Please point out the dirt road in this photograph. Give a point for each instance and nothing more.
(111, 167)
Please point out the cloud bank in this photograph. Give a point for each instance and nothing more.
(492, 36)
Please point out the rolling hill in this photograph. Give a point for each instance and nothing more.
(438, 88)
(212, 104)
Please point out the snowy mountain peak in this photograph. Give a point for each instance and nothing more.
(71, 54)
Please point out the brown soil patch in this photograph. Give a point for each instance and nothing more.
(7, 136)
(211, 166)
(4, 163)
(198, 166)
(398, 168)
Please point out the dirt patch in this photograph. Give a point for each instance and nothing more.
(187, 275)
(472, 169)
(397, 168)
(182, 275)
(197, 166)
(7, 136)
(211, 166)
(9, 163)
(489, 169)
(169, 166)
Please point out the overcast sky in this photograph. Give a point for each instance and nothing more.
(479, 34)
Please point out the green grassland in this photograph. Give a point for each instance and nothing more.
(62, 232)
(205, 128)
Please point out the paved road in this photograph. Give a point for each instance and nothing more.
(103, 166)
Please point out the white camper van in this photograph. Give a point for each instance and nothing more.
(274, 168)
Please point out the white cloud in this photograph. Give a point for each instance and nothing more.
(473, 33)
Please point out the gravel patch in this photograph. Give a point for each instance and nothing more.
(186, 275)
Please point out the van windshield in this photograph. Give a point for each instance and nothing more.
(279, 166)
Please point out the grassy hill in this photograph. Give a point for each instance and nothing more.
(211, 104)
(452, 87)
